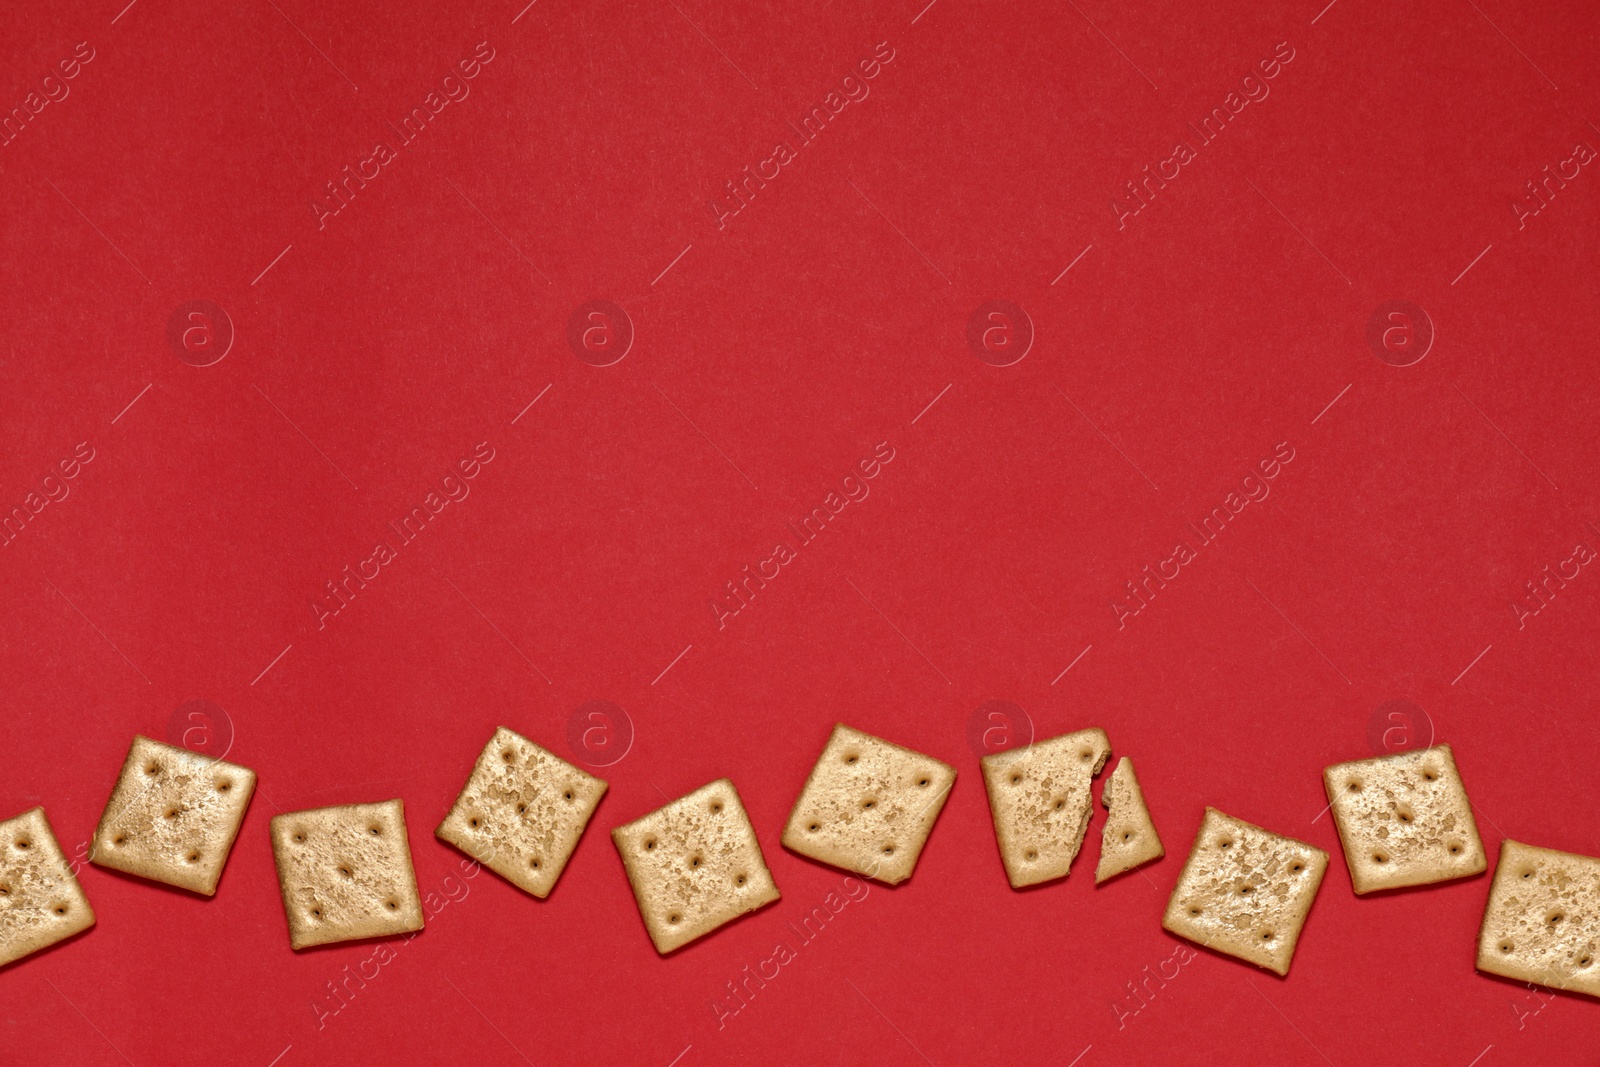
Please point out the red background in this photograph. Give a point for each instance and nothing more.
(773, 355)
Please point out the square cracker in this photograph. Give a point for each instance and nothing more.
(173, 816)
(1245, 891)
(522, 812)
(1404, 819)
(694, 865)
(868, 806)
(1040, 800)
(40, 901)
(1542, 920)
(345, 873)
(1129, 838)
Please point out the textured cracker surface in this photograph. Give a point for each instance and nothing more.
(694, 865)
(868, 806)
(40, 901)
(173, 816)
(522, 812)
(346, 873)
(1129, 837)
(1404, 819)
(1040, 799)
(1245, 891)
(1542, 921)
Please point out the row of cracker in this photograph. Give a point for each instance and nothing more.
(868, 807)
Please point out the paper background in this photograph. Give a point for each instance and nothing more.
(772, 352)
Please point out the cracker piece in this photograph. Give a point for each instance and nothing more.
(1129, 837)
(41, 902)
(694, 865)
(1245, 891)
(346, 873)
(868, 806)
(522, 812)
(1542, 920)
(1404, 819)
(1040, 800)
(173, 816)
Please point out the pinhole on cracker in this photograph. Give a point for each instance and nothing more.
(1129, 838)
(522, 812)
(1541, 923)
(345, 873)
(1245, 891)
(1040, 800)
(694, 865)
(1404, 819)
(173, 816)
(868, 806)
(41, 902)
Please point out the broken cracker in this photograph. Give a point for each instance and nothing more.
(346, 873)
(1404, 819)
(1040, 800)
(868, 806)
(1245, 891)
(1129, 838)
(1541, 923)
(173, 816)
(41, 902)
(522, 812)
(694, 865)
